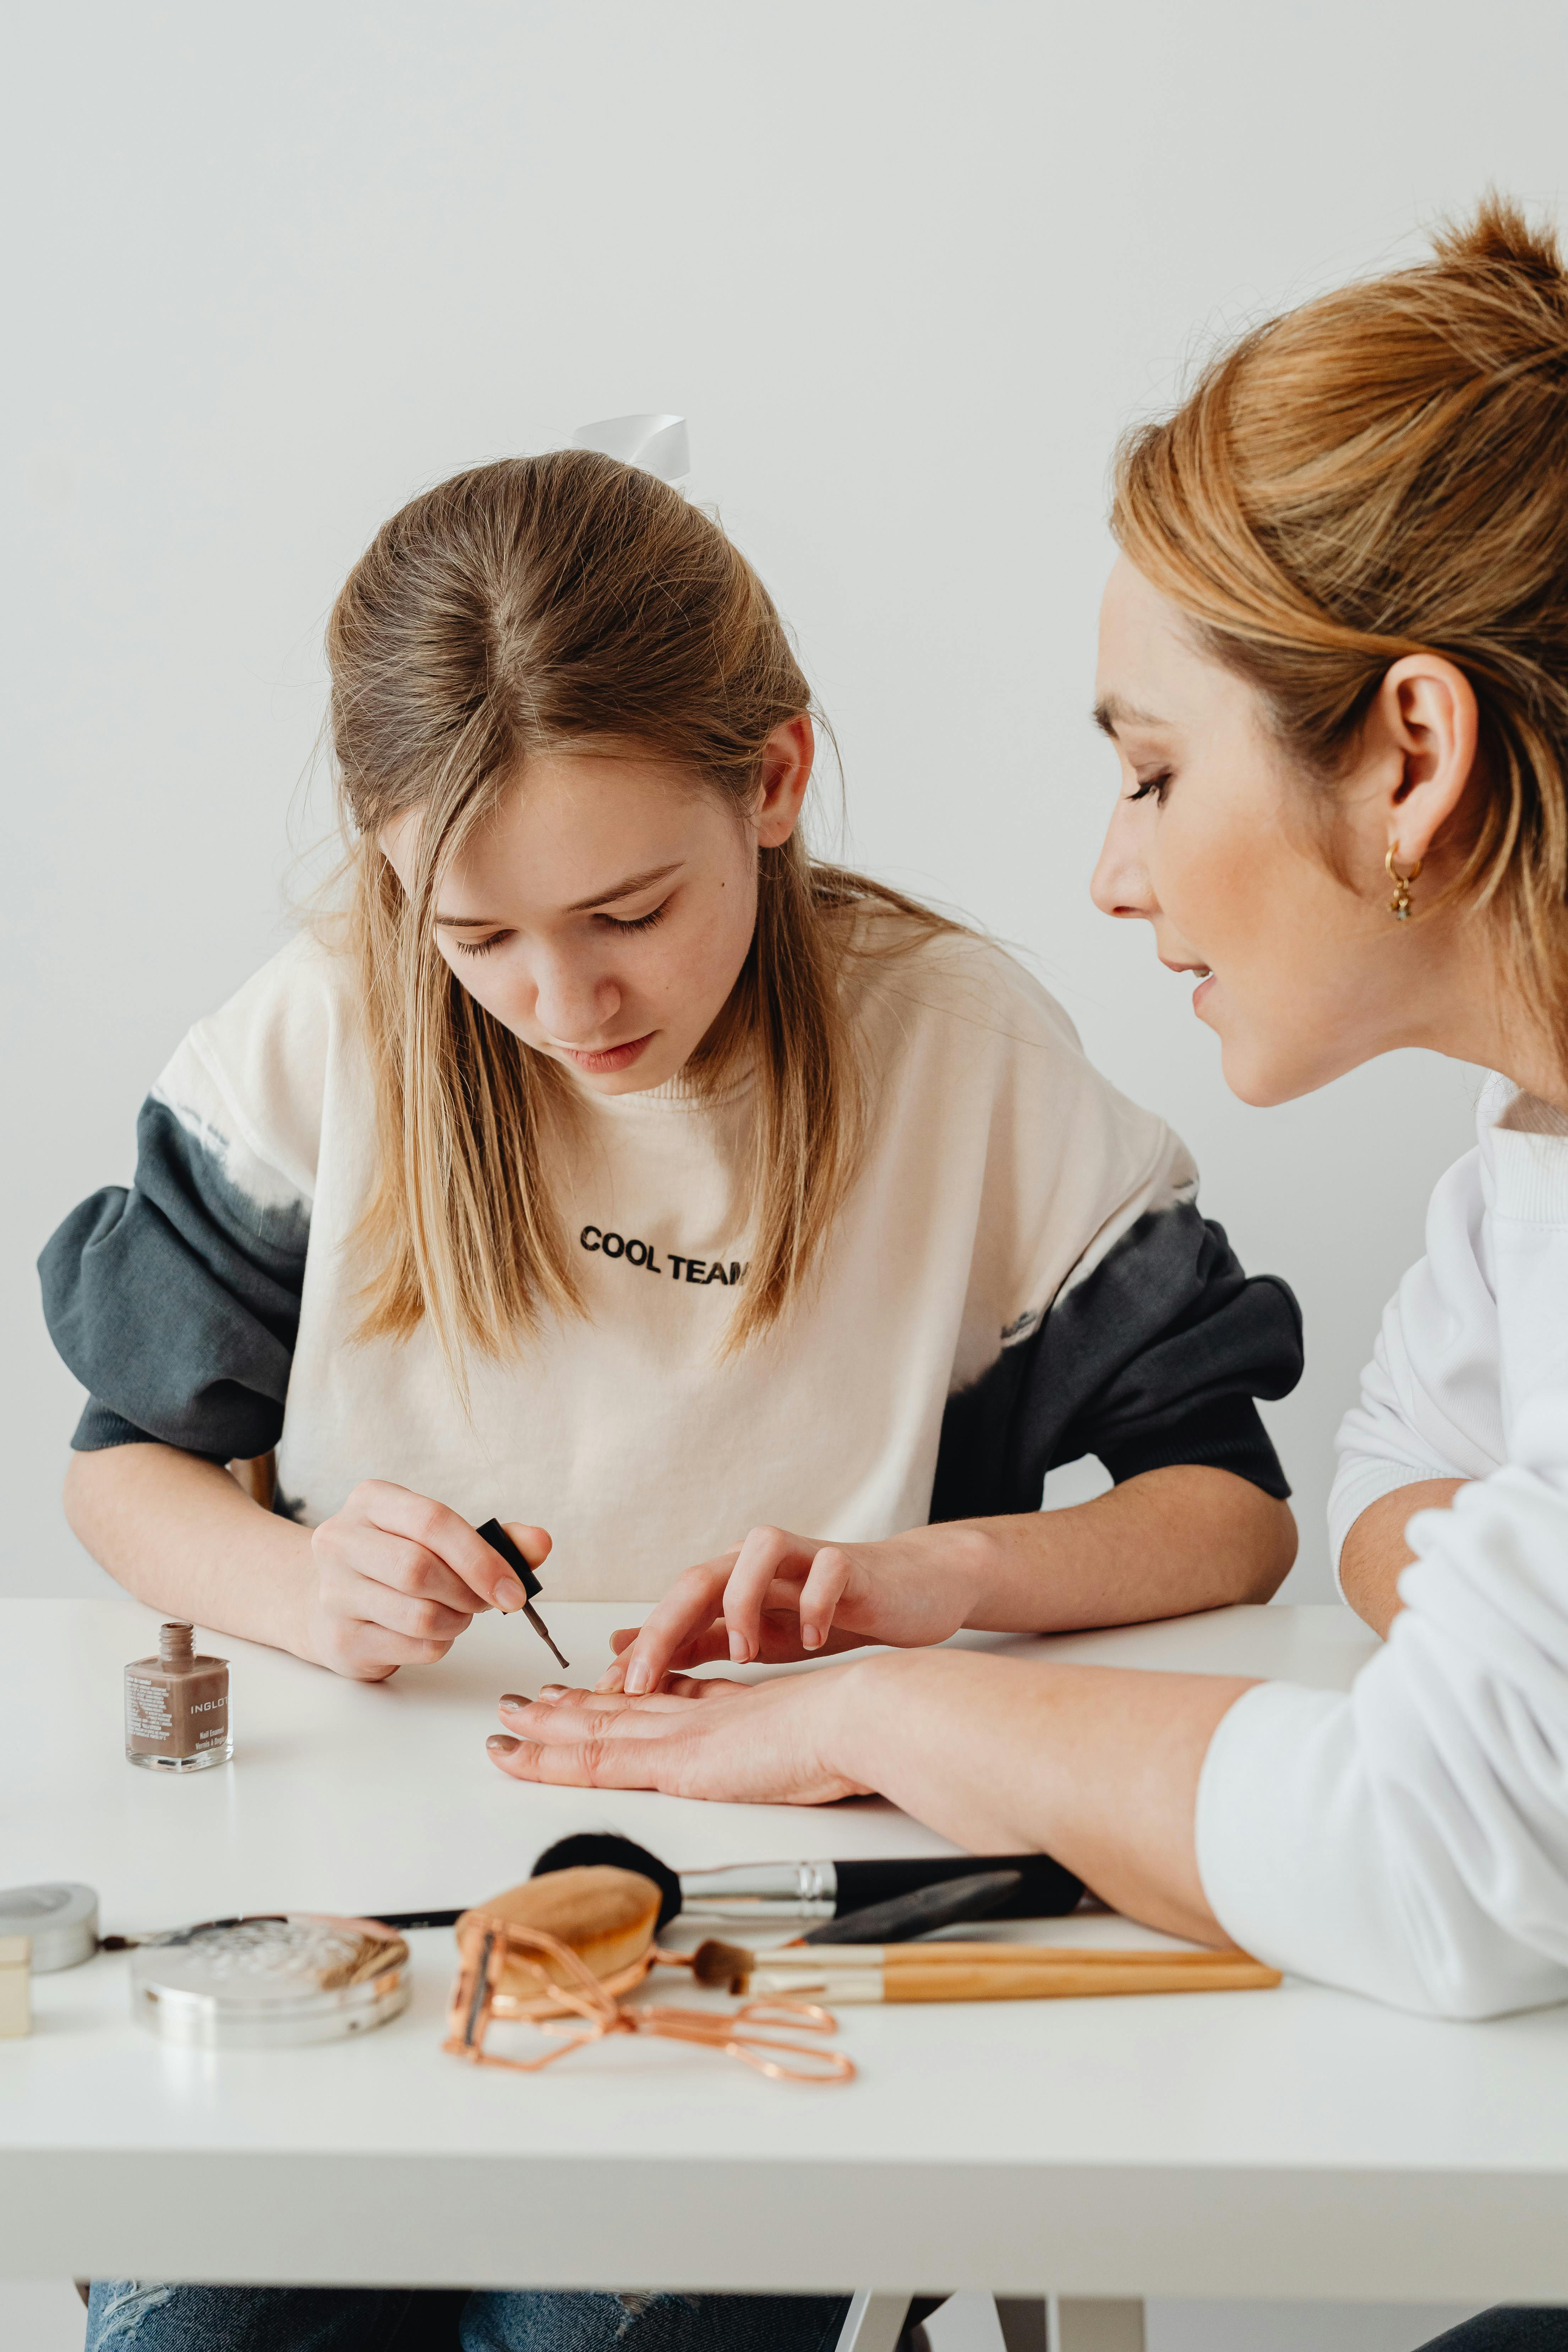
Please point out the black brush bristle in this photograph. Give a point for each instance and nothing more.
(588, 1850)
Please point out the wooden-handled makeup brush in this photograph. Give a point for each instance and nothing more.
(908, 1972)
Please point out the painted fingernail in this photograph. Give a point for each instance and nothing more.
(551, 1692)
(638, 1680)
(512, 1698)
(499, 1745)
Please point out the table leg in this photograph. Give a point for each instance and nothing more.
(1022, 2322)
(875, 2322)
(1096, 2324)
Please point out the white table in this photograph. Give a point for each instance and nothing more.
(1292, 2144)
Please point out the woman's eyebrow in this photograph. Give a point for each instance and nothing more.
(1113, 712)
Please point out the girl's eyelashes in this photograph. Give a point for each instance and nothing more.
(639, 922)
(1159, 785)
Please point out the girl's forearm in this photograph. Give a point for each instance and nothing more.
(1164, 1544)
(1096, 1765)
(180, 1534)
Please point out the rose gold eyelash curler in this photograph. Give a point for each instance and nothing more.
(491, 1947)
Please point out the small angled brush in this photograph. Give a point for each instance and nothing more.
(496, 1536)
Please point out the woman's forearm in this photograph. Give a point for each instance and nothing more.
(181, 1536)
(1376, 1555)
(1164, 1544)
(1096, 1765)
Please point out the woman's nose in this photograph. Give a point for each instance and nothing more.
(1120, 883)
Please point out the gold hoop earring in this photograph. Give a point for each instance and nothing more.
(1399, 905)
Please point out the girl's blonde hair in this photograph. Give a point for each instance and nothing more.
(516, 609)
(1381, 472)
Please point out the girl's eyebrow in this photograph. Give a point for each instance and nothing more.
(579, 905)
(624, 889)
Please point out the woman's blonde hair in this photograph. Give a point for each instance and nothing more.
(519, 608)
(1381, 472)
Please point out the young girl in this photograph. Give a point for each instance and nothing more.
(612, 1166)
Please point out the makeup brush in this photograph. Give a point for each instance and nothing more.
(769, 1894)
(909, 1973)
(496, 1536)
(922, 1913)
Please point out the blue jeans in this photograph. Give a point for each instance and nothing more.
(140, 2315)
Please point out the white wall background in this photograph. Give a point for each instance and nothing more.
(907, 268)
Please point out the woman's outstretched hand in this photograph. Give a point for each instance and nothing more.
(771, 1743)
(782, 1597)
(396, 1579)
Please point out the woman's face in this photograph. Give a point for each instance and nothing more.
(604, 912)
(1214, 841)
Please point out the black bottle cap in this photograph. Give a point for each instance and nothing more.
(496, 1536)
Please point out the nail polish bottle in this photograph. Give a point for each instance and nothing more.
(176, 1707)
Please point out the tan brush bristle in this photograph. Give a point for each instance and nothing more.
(724, 1965)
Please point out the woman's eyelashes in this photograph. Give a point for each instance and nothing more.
(480, 947)
(1157, 785)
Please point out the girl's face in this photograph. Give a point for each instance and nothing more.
(604, 912)
(1213, 841)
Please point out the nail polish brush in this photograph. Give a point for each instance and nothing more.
(496, 1536)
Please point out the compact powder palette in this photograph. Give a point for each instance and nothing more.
(263, 1983)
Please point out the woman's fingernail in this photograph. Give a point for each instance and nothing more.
(499, 1745)
(550, 1692)
(509, 1595)
(638, 1679)
(738, 1652)
(810, 1638)
(511, 1700)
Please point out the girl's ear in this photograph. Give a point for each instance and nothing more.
(787, 757)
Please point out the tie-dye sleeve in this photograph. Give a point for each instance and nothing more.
(175, 1300)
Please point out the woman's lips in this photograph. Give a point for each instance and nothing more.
(612, 1058)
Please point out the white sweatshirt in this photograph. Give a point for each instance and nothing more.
(1410, 1840)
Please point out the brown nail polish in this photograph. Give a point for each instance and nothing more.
(500, 1744)
(512, 1698)
(176, 1707)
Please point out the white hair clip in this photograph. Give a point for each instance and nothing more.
(658, 444)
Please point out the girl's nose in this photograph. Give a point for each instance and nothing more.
(574, 1003)
(1120, 883)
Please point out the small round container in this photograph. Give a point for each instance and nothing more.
(61, 1918)
(256, 1984)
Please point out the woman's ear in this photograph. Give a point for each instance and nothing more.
(1422, 733)
(787, 757)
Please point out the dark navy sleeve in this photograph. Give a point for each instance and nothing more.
(176, 1302)
(1152, 1358)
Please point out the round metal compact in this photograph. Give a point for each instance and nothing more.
(61, 1919)
(239, 1984)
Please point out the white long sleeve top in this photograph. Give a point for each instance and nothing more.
(1409, 1840)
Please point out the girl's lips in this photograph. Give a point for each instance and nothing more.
(614, 1057)
(1202, 990)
